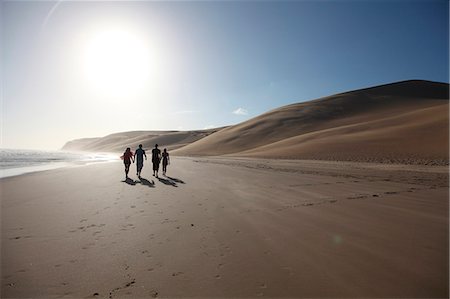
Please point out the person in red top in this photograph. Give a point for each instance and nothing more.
(127, 158)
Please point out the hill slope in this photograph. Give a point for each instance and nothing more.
(400, 122)
(119, 141)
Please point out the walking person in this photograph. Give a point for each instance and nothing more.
(139, 155)
(156, 158)
(127, 158)
(165, 160)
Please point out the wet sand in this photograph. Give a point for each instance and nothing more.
(224, 227)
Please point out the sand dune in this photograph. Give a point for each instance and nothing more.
(119, 141)
(403, 122)
(400, 122)
(411, 137)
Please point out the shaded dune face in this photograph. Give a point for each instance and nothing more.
(399, 122)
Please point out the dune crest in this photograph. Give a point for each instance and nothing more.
(117, 142)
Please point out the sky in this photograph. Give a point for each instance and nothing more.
(76, 69)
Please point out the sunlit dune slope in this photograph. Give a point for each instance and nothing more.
(400, 122)
(119, 141)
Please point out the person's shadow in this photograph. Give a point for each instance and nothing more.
(147, 183)
(175, 180)
(129, 182)
(168, 182)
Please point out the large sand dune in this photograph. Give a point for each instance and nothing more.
(400, 122)
(403, 122)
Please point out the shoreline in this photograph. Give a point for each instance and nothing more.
(16, 162)
(19, 171)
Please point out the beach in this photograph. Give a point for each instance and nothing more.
(227, 227)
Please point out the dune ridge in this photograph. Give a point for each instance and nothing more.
(403, 122)
(117, 142)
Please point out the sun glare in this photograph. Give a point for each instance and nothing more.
(117, 63)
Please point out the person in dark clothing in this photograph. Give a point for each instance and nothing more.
(165, 160)
(127, 158)
(156, 158)
(139, 155)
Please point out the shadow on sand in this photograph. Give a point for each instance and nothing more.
(147, 183)
(168, 182)
(130, 182)
(175, 180)
(151, 184)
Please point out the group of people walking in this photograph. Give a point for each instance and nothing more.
(139, 155)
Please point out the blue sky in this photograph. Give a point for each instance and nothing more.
(205, 61)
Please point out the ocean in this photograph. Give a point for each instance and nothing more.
(16, 162)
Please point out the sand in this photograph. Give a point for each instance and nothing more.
(118, 142)
(222, 227)
(404, 122)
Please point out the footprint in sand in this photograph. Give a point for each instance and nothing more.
(390, 192)
(177, 273)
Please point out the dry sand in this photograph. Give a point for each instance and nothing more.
(404, 122)
(227, 228)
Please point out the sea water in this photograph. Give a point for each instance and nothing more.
(16, 162)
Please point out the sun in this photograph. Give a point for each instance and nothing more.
(117, 62)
